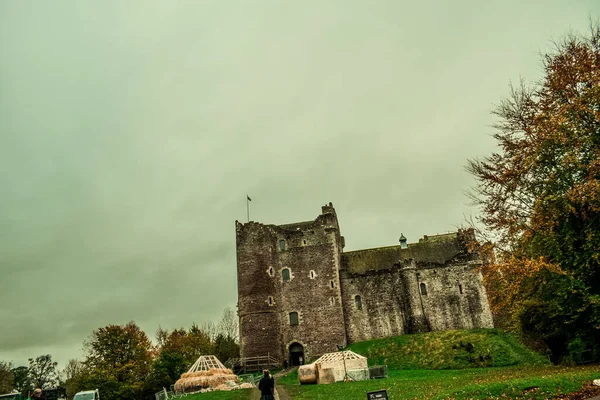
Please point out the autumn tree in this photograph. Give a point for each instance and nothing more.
(21, 379)
(226, 347)
(177, 351)
(6, 377)
(72, 373)
(118, 361)
(540, 197)
(42, 372)
(196, 343)
(226, 342)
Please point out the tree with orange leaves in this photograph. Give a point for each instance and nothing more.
(540, 196)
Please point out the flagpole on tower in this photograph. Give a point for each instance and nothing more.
(248, 200)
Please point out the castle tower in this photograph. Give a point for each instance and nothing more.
(258, 311)
(414, 289)
(289, 295)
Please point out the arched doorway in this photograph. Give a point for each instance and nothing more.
(296, 354)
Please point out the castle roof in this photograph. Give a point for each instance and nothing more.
(297, 225)
(436, 249)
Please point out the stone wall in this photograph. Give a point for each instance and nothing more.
(380, 311)
(455, 298)
(259, 319)
(314, 293)
(392, 303)
(309, 252)
(324, 283)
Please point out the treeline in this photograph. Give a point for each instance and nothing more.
(123, 363)
(540, 202)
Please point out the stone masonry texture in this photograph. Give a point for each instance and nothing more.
(341, 297)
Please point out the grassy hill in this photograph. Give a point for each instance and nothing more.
(535, 382)
(444, 365)
(449, 350)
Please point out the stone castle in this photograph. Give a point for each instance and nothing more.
(300, 295)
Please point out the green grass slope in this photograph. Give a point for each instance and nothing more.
(449, 350)
(240, 394)
(535, 382)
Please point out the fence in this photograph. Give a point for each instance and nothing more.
(251, 363)
(168, 394)
(163, 395)
(378, 371)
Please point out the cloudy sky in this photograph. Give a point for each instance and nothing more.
(131, 131)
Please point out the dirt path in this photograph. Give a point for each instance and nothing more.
(280, 393)
(255, 394)
(589, 392)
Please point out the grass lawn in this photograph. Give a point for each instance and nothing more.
(449, 350)
(476, 364)
(242, 394)
(540, 382)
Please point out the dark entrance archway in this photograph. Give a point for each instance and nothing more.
(296, 354)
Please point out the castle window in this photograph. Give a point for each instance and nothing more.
(332, 301)
(312, 274)
(282, 245)
(270, 301)
(304, 241)
(423, 289)
(331, 284)
(270, 272)
(460, 289)
(358, 302)
(285, 274)
(294, 318)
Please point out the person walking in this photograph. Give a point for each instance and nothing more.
(267, 386)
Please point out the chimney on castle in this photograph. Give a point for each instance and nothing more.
(403, 244)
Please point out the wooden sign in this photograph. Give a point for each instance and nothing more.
(378, 395)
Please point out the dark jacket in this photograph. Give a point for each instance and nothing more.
(266, 385)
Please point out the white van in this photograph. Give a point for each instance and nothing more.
(87, 395)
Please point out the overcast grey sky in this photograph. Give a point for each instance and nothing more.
(131, 131)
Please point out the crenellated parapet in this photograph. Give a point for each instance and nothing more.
(291, 273)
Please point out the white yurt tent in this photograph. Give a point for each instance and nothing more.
(345, 363)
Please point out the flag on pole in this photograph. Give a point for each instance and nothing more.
(248, 200)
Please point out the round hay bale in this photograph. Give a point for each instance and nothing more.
(219, 379)
(307, 374)
(224, 387)
(194, 374)
(223, 371)
(191, 384)
(194, 381)
(325, 375)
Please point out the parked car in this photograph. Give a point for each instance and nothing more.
(87, 395)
